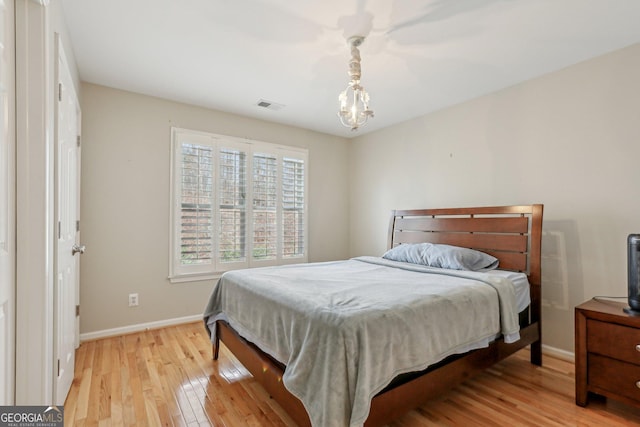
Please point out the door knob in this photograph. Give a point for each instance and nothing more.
(77, 249)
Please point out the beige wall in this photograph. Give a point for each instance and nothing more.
(125, 202)
(570, 140)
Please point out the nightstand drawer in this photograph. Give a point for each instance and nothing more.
(614, 376)
(617, 341)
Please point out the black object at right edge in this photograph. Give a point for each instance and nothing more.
(633, 266)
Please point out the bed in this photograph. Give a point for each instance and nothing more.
(366, 360)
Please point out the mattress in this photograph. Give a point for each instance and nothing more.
(521, 286)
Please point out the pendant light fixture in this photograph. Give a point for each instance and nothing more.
(354, 100)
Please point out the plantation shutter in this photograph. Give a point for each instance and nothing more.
(265, 200)
(196, 220)
(293, 208)
(232, 205)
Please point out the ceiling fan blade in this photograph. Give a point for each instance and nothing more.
(441, 10)
(409, 23)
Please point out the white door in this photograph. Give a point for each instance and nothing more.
(7, 203)
(67, 171)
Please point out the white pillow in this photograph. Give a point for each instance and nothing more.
(442, 256)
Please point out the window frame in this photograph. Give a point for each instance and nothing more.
(179, 272)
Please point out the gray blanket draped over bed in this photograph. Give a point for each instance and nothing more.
(345, 329)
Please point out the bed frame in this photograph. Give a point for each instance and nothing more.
(510, 233)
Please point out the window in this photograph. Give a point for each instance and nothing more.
(235, 204)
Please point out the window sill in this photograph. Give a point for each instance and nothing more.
(185, 278)
(199, 277)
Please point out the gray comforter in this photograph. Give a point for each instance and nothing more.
(346, 329)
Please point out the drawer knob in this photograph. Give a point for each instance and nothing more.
(637, 347)
(638, 384)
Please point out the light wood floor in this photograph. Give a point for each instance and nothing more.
(166, 377)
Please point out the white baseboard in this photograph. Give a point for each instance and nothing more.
(558, 353)
(88, 336)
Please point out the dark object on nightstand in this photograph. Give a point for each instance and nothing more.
(633, 267)
(607, 352)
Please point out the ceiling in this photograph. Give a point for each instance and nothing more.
(419, 55)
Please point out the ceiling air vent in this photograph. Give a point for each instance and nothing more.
(269, 105)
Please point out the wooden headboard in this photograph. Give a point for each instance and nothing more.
(510, 233)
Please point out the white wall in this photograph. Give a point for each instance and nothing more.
(125, 202)
(569, 140)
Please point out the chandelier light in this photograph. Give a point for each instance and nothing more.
(354, 100)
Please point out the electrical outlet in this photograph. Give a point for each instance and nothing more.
(133, 300)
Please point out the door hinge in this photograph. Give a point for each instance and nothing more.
(78, 140)
(77, 310)
(59, 229)
(78, 225)
(59, 92)
(58, 367)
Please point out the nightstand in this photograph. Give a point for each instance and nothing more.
(607, 352)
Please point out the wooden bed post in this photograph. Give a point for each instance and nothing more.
(216, 344)
(392, 225)
(535, 279)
